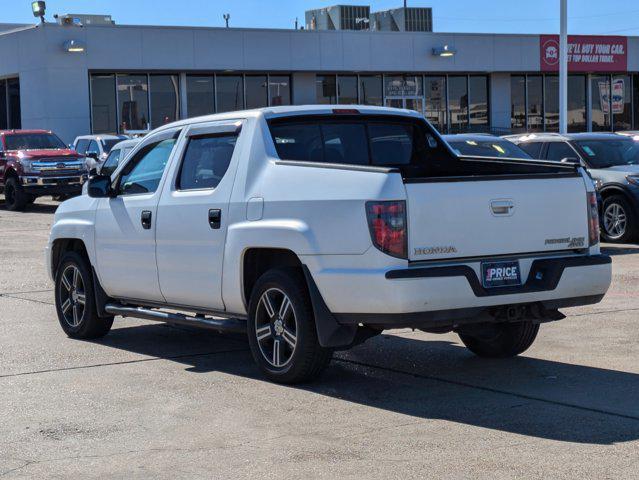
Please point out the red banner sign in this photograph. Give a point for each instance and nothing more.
(586, 53)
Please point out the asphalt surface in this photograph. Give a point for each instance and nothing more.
(154, 401)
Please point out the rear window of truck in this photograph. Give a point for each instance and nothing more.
(357, 141)
(405, 143)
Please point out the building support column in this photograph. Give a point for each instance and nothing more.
(184, 113)
(500, 102)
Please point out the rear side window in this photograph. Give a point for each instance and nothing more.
(205, 161)
(532, 148)
(93, 147)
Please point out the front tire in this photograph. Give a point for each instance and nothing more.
(15, 197)
(618, 224)
(501, 340)
(75, 300)
(281, 329)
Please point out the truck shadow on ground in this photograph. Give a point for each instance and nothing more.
(433, 380)
(47, 209)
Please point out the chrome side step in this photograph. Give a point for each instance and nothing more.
(226, 325)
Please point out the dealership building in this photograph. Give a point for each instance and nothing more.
(86, 74)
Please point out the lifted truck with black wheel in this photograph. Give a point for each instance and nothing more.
(34, 163)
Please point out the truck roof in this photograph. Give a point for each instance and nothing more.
(294, 110)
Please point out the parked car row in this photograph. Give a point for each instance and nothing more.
(35, 163)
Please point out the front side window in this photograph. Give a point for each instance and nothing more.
(93, 147)
(33, 141)
(81, 146)
(557, 151)
(111, 163)
(532, 148)
(144, 172)
(206, 160)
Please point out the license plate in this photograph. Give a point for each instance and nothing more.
(500, 274)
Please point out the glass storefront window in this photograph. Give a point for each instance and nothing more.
(4, 121)
(478, 103)
(103, 107)
(370, 90)
(535, 103)
(435, 107)
(15, 115)
(403, 86)
(347, 89)
(551, 103)
(229, 93)
(200, 95)
(576, 103)
(622, 102)
(164, 99)
(326, 89)
(458, 103)
(256, 91)
(518, 103)
(133, 102)
(279, 88)
(600, 103)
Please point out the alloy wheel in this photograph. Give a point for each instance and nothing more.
(276, 327)
(72, 296)
(615, 221)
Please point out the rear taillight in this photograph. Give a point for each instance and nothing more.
(387, 224)
(593, 219)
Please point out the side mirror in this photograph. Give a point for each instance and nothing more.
(571, 160)
(92, 154)
(100, 187)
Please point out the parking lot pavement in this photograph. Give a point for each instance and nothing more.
(154, 401)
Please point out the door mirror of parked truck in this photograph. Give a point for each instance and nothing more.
(100, 186)
(92, 154)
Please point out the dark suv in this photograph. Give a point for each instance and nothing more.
(34, 163)
(612, 161)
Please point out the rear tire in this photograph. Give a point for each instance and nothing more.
(281, 328)
(501, 340)
(75, 300)
(618, 222)
(15, 198)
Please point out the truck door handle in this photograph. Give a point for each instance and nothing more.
(146, 219)
(215, 218)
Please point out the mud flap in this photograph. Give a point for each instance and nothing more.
(329, 333)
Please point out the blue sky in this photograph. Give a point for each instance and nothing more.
(499, 16)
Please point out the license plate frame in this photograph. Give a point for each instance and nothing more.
(503, 273)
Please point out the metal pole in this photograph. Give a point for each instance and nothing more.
(563, 68)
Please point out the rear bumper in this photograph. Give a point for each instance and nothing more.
(444, 294)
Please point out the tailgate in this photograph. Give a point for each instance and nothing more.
(488, 217)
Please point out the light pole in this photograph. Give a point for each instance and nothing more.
(563, 68)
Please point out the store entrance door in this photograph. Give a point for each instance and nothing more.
(409, 103)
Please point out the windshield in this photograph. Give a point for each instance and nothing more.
(33, 141)
(609, 153)
(488, 148)
(107, 145)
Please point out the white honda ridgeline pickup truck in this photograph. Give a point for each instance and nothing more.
(314, 228)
